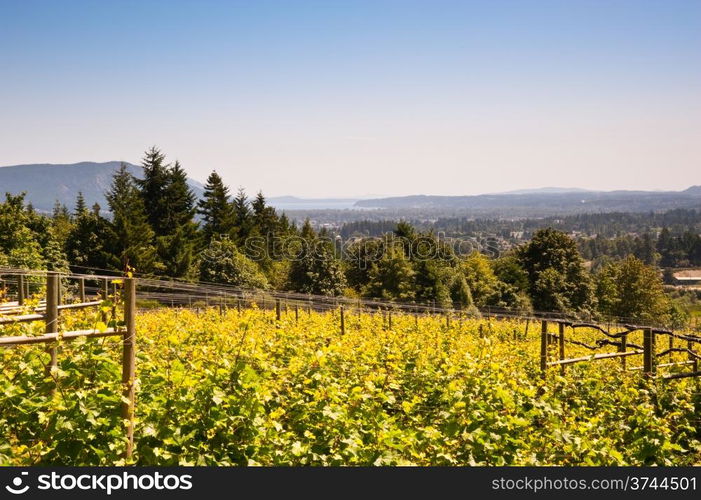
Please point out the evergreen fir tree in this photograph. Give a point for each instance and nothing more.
(133, 242)
(153, 186)
(258, 204)
(179, 200)
(216, 209)
(177, 235)
(80, 208)
(242, 216)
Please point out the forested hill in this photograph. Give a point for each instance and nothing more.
(544, 203)
(46, 183)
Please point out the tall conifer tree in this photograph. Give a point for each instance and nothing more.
(133, 242)
(216, 209)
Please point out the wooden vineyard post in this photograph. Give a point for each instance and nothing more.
(238, 306)
(114, 301)
(543, 347)
(447, 320)
(561, 342)
(525, 332)
(692, 358)
(389, 320)
(105, 294)
(81, 289)
(343, 321)
(277, 309)
(622, 348)
(51, 316)
(296, 314)
(648, 352)
(20, 289)
(129, 363)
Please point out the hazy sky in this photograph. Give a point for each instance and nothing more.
(348, 98)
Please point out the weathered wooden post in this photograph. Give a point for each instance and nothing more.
(81, 289)
(649, 352)
(622, 348)
(51, 317)
(692, 358)
(561, 342)
(238, 306)
(525, 333)
(343, 321)
(296, 314)
(114, 301)
(543, 347)
(129, 362)
(277, 309)
(104, 295)
(447, 320)
(20, 289)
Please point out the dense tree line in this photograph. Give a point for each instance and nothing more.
(669, 250)
(155, 226)
(667, 239)
(605, 225)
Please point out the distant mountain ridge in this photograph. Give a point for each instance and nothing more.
(545, 202)
(46, 183)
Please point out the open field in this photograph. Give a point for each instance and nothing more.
(245, 389)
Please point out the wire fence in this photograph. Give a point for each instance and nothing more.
(174, 292)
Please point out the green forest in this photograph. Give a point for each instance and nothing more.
(155, 226)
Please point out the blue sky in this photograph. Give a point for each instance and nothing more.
(352, 98)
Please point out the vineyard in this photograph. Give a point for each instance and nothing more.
(101, 371)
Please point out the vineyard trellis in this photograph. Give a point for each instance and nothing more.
(108, 293)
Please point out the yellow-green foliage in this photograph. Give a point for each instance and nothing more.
(245, 390)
